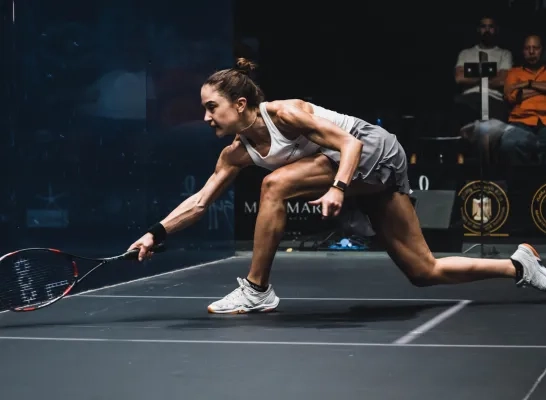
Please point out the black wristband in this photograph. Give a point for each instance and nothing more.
(158, 231)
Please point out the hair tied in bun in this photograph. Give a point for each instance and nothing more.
(245, 66)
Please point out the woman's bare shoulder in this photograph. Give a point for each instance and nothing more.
(274, 107)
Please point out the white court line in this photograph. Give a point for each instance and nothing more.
(145, 278)
(427, 326)
(537, 382)
(271, 343)
(123, 296)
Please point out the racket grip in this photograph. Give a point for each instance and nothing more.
(133, 254)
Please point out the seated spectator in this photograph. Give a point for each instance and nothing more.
(525, 91)
(468, 103)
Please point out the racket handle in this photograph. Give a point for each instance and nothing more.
(133, 254)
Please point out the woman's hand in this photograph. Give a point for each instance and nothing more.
(144, 244)
(330, 203)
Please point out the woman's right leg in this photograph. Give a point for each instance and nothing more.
(395, 220)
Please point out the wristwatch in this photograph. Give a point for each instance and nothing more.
(339, 185)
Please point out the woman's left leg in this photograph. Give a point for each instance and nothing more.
(310, 176)
(307, 176)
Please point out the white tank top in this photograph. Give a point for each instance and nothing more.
(345, 122)
(284, 151)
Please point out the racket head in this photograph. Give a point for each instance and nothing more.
(34, 278)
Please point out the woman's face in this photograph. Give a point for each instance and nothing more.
(220, 113)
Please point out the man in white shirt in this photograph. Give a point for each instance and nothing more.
(468, 102)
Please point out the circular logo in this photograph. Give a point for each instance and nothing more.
(492, 205)
(537, 207)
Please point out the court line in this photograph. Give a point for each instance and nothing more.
(271, 343)
(144, 278)
(430, 324)
(122, 296)
(535, 385)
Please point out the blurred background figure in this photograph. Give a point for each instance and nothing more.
(467, 107)
(525, 91)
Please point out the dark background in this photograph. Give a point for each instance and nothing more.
(101, 122)
(387, 61)
(102, 127)
(375, 59)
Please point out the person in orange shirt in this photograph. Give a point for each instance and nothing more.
(525, 91)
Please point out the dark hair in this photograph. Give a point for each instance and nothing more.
(236, 82)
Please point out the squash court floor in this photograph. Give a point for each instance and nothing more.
(348, 327)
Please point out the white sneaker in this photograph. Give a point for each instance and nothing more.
(245, 299)
(534, 272)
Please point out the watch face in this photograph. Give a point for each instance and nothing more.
(340, 185)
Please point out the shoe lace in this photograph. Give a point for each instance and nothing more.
(236, 293)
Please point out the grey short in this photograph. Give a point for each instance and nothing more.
(383, 160)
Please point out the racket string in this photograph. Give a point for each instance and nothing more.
(29, 279)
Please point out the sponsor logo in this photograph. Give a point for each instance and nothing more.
(491, 205)
(296, 210)
(537, 208)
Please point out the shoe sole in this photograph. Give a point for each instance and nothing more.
(244, 310)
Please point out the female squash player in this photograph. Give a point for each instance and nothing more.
(314, 151)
